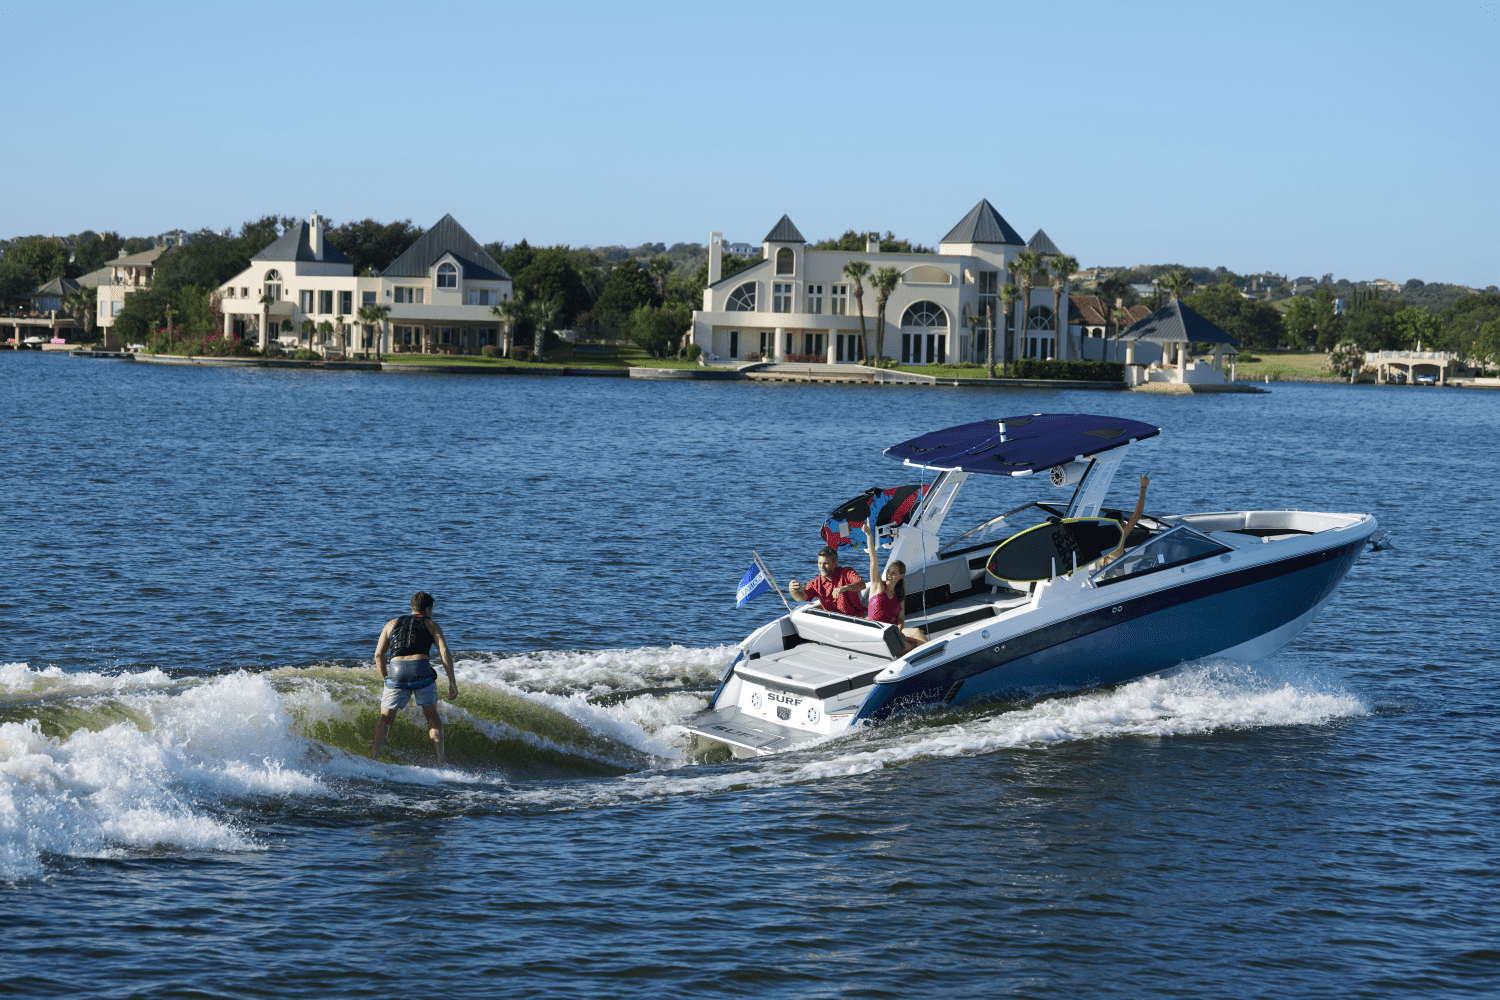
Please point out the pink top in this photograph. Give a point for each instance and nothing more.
(820, 587)
(884, 608)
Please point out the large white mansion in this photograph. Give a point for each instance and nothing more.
(439, 292)
(797, 301)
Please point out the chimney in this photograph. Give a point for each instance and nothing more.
(315, 238)
(715, 255)
(872, 242)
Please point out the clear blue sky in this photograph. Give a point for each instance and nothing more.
(1306, 138)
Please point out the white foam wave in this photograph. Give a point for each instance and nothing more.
(20, 679)
(1201, 698)
(598, 672)
(91, 794)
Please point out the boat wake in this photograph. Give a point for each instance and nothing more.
(94, 765)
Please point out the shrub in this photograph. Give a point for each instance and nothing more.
(490, 351)
(1082, 371)
(303, 354)
(520, 353)
(193, 345)
(693, 351)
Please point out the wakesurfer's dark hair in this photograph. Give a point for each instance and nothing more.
(421, 602)
(826, 551)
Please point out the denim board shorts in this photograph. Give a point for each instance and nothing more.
(399, 678)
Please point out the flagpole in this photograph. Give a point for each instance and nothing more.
(774, 584)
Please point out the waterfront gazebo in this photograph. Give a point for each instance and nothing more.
(1176, 327)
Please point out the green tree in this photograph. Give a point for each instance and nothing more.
(1063, 267)
(550, 274)
(1025, 266)
(856, 242)
(1176, 282)
(96, 251)
(1326, 321)
(884, 281)
(83, 303)
(374, 246)
(1298, 323)
(28, 263)
(325, 338)
(511, 312)
(628, 288)
(1416, 328)
(1251, 322)
(308, 329)
(661, 267)
(656, 329)
(855, 271)
(266, 302)
(374, 317)
(1008, 296)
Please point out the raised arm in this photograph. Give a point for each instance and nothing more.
(877, 583)
(1140, 508)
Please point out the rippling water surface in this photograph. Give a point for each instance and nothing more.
(199, 561)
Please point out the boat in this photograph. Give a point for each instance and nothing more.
(1026, 603)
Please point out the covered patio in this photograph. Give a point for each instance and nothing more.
(1176, 328)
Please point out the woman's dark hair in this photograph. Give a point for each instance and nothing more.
(421, 602)
(901, 583)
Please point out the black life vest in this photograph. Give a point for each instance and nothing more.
(410, 636)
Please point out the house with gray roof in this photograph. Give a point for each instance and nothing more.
(1173, 329)
(796, 303)
(439, 294)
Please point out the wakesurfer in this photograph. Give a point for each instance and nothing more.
(408, 643)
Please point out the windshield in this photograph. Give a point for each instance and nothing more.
(997, 529)
(1176, 547)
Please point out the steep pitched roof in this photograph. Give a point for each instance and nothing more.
(983, 225)
(1175, 322)
(295, 244)
(447, 236)
(1042, 244)
(57, 286)
(784, 232)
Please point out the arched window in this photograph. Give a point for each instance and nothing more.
(742, 299)
(926, 274)
(273, 284)
(1040, 318)
(924, 313)
(273, 275)
(447, 275)
(786, 261)
(924, 334)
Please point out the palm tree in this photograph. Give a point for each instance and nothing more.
(81, 302)
(338, 326)
(325, 329)
(510, 311)
(266, 301)
(308, 328)
(1063, 267)
(1176, 282)
(855, 271)
(1008, 295)
(543, 312)
(884, 282)
(1024, 266)
(373, 315)
(661, 267)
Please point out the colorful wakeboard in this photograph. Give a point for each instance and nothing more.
(845, 526)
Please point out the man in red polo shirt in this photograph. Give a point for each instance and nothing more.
(835, 587)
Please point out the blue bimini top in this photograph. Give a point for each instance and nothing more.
(1020, 446)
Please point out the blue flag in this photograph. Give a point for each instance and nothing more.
(752, 585)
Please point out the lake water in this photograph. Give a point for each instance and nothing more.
(199, 561)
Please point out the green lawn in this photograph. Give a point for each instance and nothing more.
(1295, 365)
(626, 356)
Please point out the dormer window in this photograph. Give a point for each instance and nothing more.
(447, 276)
(785, 261)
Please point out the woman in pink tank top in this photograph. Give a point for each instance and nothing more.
(888, 595)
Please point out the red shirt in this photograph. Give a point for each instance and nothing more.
(821, 587)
